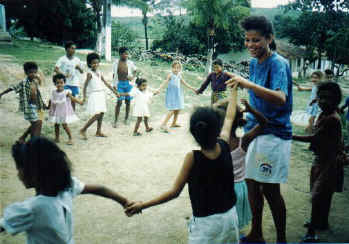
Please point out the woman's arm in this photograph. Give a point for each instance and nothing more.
(303, 138)
(104, 191)
(276, 97)
(174, 192)
(229, 115)
(6, 91)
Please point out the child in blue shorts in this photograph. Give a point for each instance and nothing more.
(124, 72)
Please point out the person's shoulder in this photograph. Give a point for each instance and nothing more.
(278, 59)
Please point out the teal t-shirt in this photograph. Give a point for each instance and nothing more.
(273, 73)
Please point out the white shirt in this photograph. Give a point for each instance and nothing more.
(46, 220)
(67, 66)
(131, 68)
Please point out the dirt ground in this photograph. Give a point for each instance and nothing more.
(141, 168)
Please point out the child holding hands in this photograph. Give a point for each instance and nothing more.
(47, 217)
(210, 178)
(174, 95)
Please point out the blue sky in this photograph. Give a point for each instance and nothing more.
(121, 12)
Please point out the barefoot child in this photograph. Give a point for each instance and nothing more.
(210, 178)
(238, 149)
(30, 100)
(326, 143)
(174, 95)
(124, 71)
(94, 89)
(141, 109)
(61, 110)
(47, 216)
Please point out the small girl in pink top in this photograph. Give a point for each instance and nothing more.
(238, 148)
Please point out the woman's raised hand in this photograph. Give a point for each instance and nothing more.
(240, 81)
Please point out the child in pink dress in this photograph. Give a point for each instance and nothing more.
(61, 110)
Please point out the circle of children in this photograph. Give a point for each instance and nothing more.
(228, 178)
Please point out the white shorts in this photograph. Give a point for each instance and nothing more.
(214, 229)
(267, 159)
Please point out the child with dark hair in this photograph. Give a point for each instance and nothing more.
(94, 90)
(217, 79)
(47, 217)
(61, 111)
(326, 143)
(329, 75)
(124, 71)
(30, 100)
(142, 97)
(71, 67)
(210, 178)
(238, 148)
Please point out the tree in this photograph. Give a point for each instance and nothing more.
(214, 14)
(39, 19)
(317, 23)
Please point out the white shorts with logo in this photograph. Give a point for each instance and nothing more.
(214, 229)
(267, 159)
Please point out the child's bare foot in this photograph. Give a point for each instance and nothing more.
(100, 134)
(21, 140)
(149, 129)
(115, 124)
(250, 239)
(164, 129)
(83, 134)
(175, 125)
(70, 142)
(56, 140)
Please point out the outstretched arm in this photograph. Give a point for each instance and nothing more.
(187, 85)
(104, 191)
(109, 86)
(230, 115)
(164, 82)
(6, 91)
(174, 192)
(204, 85)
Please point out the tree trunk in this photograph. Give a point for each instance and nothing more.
(145, 23)
(208, 67)
(319, 58)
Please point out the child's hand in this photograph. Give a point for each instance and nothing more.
(246, 104)
(135, 208)
(156, 92)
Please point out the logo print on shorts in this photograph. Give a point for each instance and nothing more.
(265, 169)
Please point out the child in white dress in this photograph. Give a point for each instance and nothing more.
(94, 89)
(47, 216)
(142, 97)
(61, 110)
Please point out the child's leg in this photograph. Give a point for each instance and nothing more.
(138, 122)
(128, 105)
(278, 209)
(147, 127)
(99, 126)
(310, 126)
(175, 117)
(117, 112)
(88, 124)
(256, 200)
(167, 118)
(320, 209)
(66, 128)
(57, 133)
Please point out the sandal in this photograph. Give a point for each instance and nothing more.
(244, 239)
(149, 130)
(310, 239)
(164, 129)
(136, 134)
